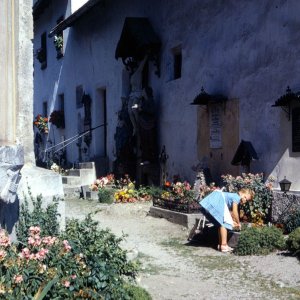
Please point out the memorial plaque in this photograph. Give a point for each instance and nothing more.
(215, 138)
(296, 129)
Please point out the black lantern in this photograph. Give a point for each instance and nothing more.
(204, 98)
(285, 185)
(285, 101)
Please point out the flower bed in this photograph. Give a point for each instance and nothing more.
(180, 205)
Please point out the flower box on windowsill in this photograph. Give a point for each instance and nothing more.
(179, 205)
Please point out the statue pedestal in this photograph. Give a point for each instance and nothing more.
(11, 161)
(40, 181)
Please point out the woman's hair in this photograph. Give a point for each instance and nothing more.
(247, 191)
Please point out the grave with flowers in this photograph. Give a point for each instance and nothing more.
(108, 189)
(102, 185)
(177, 196)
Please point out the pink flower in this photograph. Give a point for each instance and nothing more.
(48, 240)
(73, 276)
(67, 246)
(34, 230)
(18, 278)
(41, 254)
(66, 283)
(2, 254)
(31, 240)
(25, 253)
(4, 239)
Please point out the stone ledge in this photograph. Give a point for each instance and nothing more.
(187, 220)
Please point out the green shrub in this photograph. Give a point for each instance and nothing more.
(293, 242)
(258, 210)
(106, 195)
(137, 293)
(153, 191)
(81, 263)
(106, 261)
(292, 221)
(45, 218)
(258, 241)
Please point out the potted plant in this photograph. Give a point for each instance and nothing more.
(41, 123)
(59, 43)
(57, 118)
(40, 55)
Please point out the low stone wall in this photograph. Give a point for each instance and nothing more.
(186, 220)
(283, 205)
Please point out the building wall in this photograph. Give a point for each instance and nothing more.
(16, 90)
(245, 50)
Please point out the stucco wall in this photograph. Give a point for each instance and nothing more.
(16, 85)
(246, 50)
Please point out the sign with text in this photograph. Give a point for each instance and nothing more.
(215, 126)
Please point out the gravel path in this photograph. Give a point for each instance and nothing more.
(173, 269)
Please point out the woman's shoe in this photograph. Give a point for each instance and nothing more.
(225, 248)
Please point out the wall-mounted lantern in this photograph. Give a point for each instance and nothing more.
(204, 98)
(285, 101)
(285, 185)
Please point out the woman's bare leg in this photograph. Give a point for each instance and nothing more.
(222, 236)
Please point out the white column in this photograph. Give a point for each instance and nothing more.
(8, 74)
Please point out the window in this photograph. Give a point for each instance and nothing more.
(177, 62)
(41, 53)
(59, 41)
(61, 102)
(45, 109)
(79, 94)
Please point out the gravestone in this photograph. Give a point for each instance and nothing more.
(284, 205)
(17, 163)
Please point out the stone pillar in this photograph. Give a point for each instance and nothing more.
(16, 116)
(16, 83)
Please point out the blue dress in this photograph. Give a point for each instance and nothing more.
(215, 202)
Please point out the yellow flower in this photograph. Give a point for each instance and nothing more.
(131, 185)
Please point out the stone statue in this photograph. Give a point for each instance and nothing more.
(146, 121)
(163, 157)
(123, 136)
(136, 92)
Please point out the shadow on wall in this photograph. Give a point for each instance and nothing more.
(9, 214)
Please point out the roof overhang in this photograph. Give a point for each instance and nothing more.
(38, 8)
(69, 21)
(137, 39)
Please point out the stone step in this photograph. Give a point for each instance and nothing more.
(71, 180)
(87, 165)
(71, 191)
(74, 172)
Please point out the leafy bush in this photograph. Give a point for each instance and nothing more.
(292, 221)
(106, 195)
(154, 191)
(293, 242)
(81, 263)
(45, 218)
(258, 210)
(257, 241)
(137, 293)
(108, 267)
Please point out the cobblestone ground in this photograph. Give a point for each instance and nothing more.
(173, 269)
